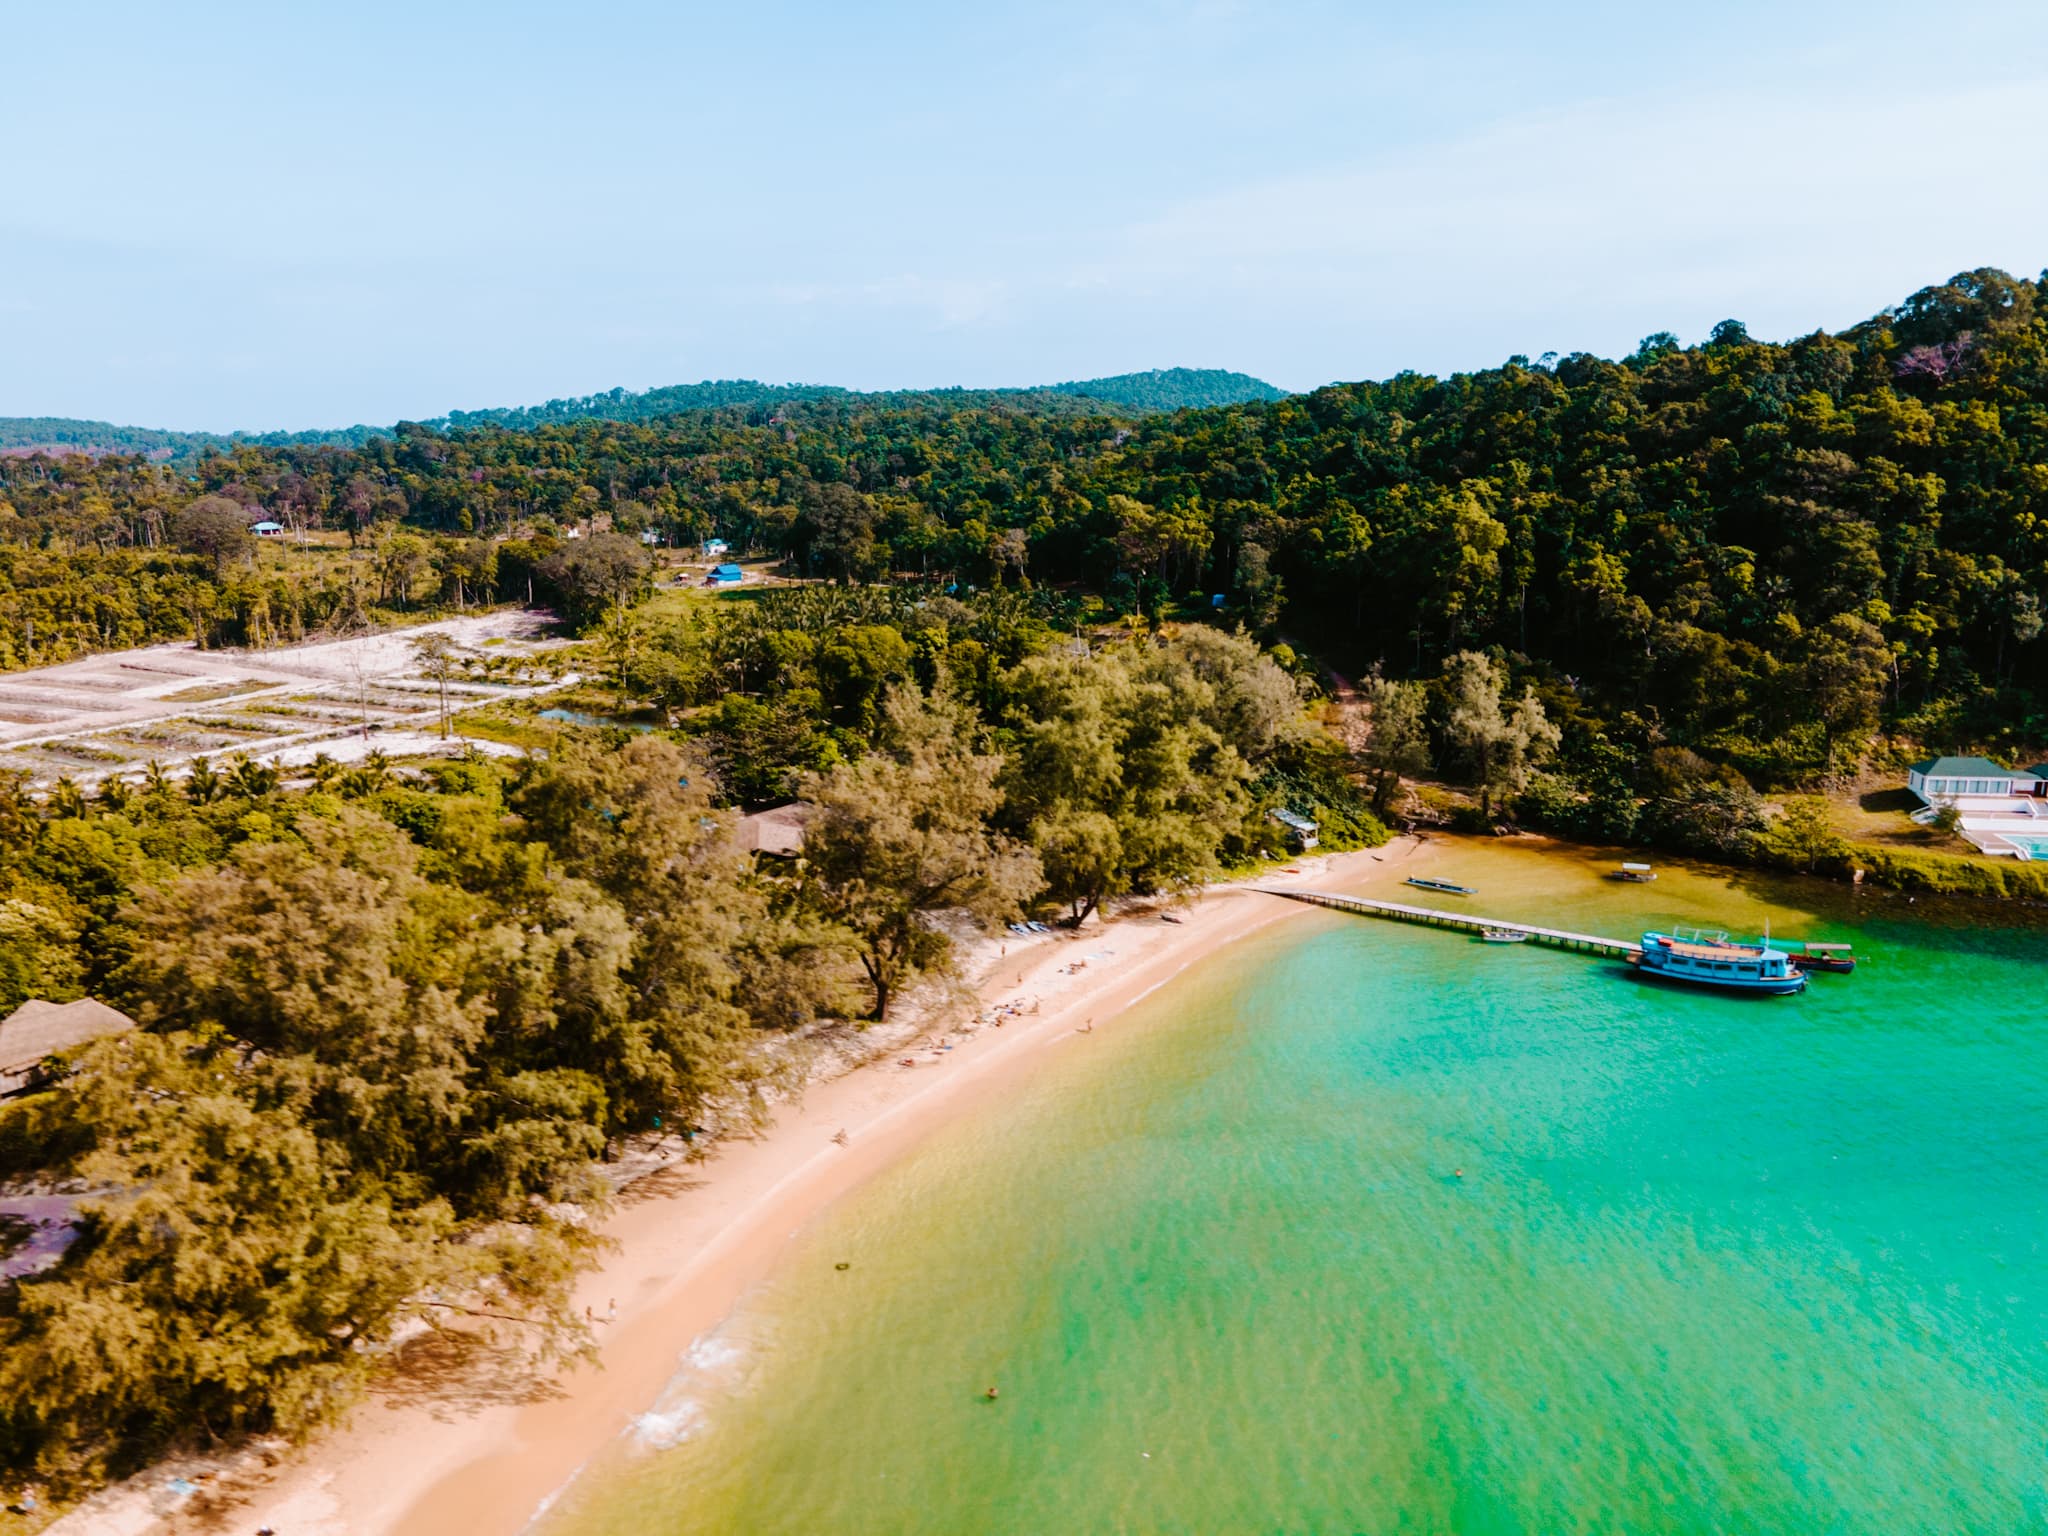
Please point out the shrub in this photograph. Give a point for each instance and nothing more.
(1948, 874)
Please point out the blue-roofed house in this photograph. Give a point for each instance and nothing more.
(267, 529)
(722, 575)
(1300, 829)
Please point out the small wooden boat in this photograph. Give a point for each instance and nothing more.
(1810, 956)
(1638, 874)
(1420, 883)
(1502, 936)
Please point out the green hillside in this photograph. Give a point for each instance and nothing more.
(1159, 389)
(1174, 389)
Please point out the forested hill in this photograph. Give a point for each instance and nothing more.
(1173, 389)
(1160, 389)
(67, 434)
(1755, 552)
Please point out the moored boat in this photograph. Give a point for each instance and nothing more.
(1637, 874)
(1423, 883)
(1808, 955)
(1503, 936)
(1716, 961)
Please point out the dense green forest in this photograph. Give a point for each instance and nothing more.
(1172, 389)
(1756, 552)
(1160, 389)
(67, 434)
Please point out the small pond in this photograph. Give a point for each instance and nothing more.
(578, 717)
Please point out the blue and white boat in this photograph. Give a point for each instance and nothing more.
(1714, 960)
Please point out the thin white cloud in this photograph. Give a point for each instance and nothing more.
(1679, 200)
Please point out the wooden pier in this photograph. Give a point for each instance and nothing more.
(1400, 912)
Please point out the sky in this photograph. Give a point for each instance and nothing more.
(226, 216)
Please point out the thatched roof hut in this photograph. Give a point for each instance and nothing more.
(38, 1029)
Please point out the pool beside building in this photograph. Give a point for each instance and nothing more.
(2003, 811)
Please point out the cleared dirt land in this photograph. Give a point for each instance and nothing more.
(168, 704)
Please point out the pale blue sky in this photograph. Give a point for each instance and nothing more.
(308, 214)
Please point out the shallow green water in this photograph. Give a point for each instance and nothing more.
(1715, 1265)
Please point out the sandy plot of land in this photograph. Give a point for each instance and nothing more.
(170, 703)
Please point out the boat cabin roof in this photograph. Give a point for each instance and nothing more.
(1627, 865)
(1708, 949)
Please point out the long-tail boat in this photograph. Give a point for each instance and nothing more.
(1810, 955)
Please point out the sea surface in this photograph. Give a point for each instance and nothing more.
(1715, 1265)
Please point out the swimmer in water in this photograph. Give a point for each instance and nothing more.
(1457, 1173)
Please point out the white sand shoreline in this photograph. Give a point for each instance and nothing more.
(486, 1457)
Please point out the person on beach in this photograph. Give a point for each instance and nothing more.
(991, 1394)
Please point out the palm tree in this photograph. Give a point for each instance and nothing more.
(367, 777)
(252, 780)
(203, 784)
(67, 800)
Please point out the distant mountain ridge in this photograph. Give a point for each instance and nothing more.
(1156, 390)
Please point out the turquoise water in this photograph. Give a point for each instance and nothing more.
(2036, 846)
(1714, 1264)
(580, 717)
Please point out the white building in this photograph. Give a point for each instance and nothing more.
(2004, 811)
(1941, 780)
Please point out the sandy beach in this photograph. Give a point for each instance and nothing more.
(479, 1452)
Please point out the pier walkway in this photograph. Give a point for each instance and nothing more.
(1556, 938)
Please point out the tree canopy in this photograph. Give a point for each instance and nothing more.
(1755, 550)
